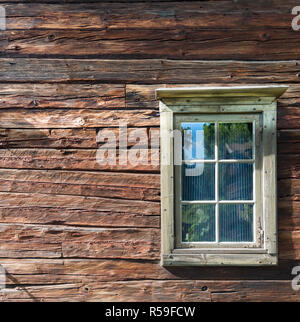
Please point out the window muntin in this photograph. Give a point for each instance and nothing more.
(216, 188)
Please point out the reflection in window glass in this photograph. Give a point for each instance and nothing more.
(198, 223)
(198, 141)
(235, 181)
(198, 181)
(235, 141)
(236, 223)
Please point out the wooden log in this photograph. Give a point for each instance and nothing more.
(79, 203)
(39, 96)
(12, 249)
(75, 217)
(65, 118)
(74, 138)
(255, 292)
(136, 137)
(288, 166)
(289, 244)
(289, 189)
(48, 138)
(93, 184)
(289, 136)
(288, 118)
(143, 96)
(149, 71)
(70, 159)
(165, 291)
(289, 141)
(51, 271)
(288, 218)
(180, 43)
(79, 242)
(200, 15)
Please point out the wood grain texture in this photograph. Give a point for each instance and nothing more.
(179, 43)
(133, 291)
(48, 271)
(38, 96)
(95, 184)
(72, 230)
(77, 118)
(38, 241)
(77, 138)
(189, 30)
(43, 241)
(149, 71)
(69, 159)
(198, 14)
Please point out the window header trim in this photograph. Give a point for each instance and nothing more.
(273, 91)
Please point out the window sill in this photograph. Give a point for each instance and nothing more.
(211, 259)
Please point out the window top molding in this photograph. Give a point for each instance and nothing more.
(273, 91)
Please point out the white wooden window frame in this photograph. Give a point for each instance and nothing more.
(256, 102)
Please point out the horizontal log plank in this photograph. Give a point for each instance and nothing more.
(289, 189)
(149, 71)
(126, 243)
(65, 118)
(288, 141)
(93, 184)
(178, 43)
(79, 203)
(82, 178)
(74, 138)
(288, 136)
(70, 159)
(74, 217)
(12, 249)
(48, 138)
(257, 291)
(289, 244)
(288, 218)
(166, 291)
(92, 96)
(201, 15)
(52, 271)
(288, 166)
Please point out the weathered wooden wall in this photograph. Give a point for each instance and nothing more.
(74, 230)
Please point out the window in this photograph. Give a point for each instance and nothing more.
(218, 175)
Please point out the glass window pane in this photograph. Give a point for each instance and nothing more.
(198, 223)
(236, 222)
(235, 141)
(198, 141)
(235, 181)
(198, 181)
